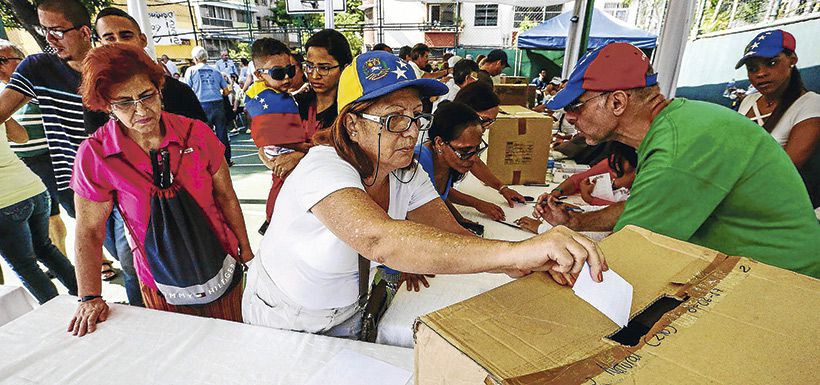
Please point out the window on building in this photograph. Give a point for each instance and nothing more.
(242, 16)
(216, 16)
(535, 14)
(215, 47)
(441, 13)
(259, 22)
(486, 15)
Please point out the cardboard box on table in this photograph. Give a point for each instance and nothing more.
(515, 94)
(519, 143)
(513, 80)
(740, 322)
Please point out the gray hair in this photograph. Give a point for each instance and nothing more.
(17, 51)
(199, 54)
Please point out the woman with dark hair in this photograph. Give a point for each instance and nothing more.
(782, 105)
(453, 149)
(118, 165)
(481, 98)
(620, 164)
(358, 197)
(327, 53)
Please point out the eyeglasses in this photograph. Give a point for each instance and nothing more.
(131, 105)
(576, 107)
(56, 33)
(486, 122)
(279, 73)
(322, 70)
(4, 60)
(468, 152)
(400, 123)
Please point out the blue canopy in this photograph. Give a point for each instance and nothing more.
(552, 34)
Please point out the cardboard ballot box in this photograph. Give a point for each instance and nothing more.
(697, 317)
(515, 94)
(513, 80)
(519, 143)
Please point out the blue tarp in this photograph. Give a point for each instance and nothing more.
(552, 34)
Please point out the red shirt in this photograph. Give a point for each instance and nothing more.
(110, 164)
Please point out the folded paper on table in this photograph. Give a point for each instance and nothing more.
(603, 189)
(612, 296)
(350, 368)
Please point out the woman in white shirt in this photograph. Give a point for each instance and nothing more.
(358, 192)
(782, 105)
(24, 211)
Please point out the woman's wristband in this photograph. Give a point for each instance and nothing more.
(88, 298)
(559, 189)
(503, 186)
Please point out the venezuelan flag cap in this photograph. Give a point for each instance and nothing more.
(615, 66)
(378, 73)
(767, 44)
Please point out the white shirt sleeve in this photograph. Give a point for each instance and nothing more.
(806, 107)
(321, 173)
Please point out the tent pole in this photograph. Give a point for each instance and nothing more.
(581, 12)
(677, 24)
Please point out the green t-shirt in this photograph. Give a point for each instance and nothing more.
(30, 117)
(711, 176)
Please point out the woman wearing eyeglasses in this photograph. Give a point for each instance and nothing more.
(358, 192)
(482, 99)
(113, 167)
(327, 54)
(453, 149)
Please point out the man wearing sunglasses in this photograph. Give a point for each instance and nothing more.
(209, 87)
(702, 168)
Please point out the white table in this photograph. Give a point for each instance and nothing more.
(14, 302)
(396, 326)
(140, 346)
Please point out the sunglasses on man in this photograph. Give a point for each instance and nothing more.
(279, 73)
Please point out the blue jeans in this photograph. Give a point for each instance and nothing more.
(116, 244)
(24, 241)
(215, 111)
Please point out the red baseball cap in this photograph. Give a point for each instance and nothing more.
(615, 66)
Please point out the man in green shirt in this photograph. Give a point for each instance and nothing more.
(705, 174)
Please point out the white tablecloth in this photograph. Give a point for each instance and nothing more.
(140, 346)
(14, 302)
(396, 327)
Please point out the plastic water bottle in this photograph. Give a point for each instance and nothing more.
(550, 169)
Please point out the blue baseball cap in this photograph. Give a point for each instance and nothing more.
(378, 73)
(767, 44)
(615, 66)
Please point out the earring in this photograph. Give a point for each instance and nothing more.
(438, 152)
(353, 134)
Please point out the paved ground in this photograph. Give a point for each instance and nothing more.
(251, 181)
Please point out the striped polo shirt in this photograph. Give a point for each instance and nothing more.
(54, 84)
(30, 118)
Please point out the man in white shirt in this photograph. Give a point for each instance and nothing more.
(172, 68)
(418, 60)
(226, 66)
(464, 72)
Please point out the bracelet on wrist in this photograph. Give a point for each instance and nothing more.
(87, 298)
(559, 189)
(503, 186)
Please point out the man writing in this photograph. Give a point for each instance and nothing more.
(703, 170)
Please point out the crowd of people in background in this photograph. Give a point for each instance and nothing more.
(365, 154)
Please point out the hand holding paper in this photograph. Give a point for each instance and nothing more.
(612, 296)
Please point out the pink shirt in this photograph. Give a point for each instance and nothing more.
(599, 168)
(110, 164)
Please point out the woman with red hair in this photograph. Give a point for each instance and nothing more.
(119, 165)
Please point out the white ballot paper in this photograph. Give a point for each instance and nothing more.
(613, 296)
(351, 368)
(603, 189)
